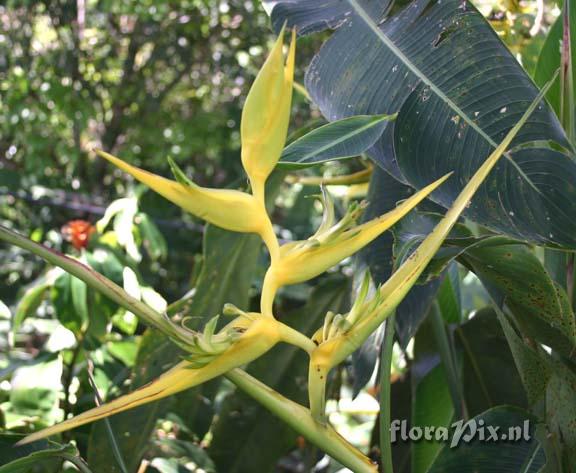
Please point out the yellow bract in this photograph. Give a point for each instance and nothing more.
(303, 260)
(266, 115)
(261, 334)
(229, 209)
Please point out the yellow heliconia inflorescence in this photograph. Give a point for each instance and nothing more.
(249, 335)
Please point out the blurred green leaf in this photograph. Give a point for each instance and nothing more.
(29, 302)
(36, 391)
(549, 58)
(431, 406)
(152, 239)
(489, 456)
(181, 456)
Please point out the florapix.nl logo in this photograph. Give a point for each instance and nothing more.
(459, 432)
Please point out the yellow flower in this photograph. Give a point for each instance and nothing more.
(303, 260)
(266, 115)
(259, 334)
(229, 209)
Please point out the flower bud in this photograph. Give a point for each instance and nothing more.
(266, 114)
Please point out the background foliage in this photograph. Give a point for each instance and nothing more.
(155, 79)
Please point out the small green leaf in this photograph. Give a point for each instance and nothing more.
(152, 239)
(29, 302)
(341, 139)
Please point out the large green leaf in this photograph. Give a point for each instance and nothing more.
(457, 91)
(431, 406)
(500, 456)
(244, 427)
(486, 361)
(531, 362)
(341, 139)
(538, 304)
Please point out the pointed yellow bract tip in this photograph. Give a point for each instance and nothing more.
(260, 336)
(266, 114)
(229, 209)
(304, 260)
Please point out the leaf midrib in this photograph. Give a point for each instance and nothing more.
(418, 73)
(336, 142)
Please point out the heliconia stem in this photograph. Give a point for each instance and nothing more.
(270, 240)
(269, 289)
(317, 378)
(299, 418)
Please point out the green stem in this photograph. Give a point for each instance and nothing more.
(566, 77)
(317, 378)
(111, 437)
(570, 278)
(293, 337)
(100, 283)
(385, 389)
(447, 357)
(78, 463)
(299, 418)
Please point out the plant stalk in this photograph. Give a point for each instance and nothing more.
(385, 391)
(299, 418)
(447, 357)
(98, 282)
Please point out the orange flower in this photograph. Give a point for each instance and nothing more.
(78, 233)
